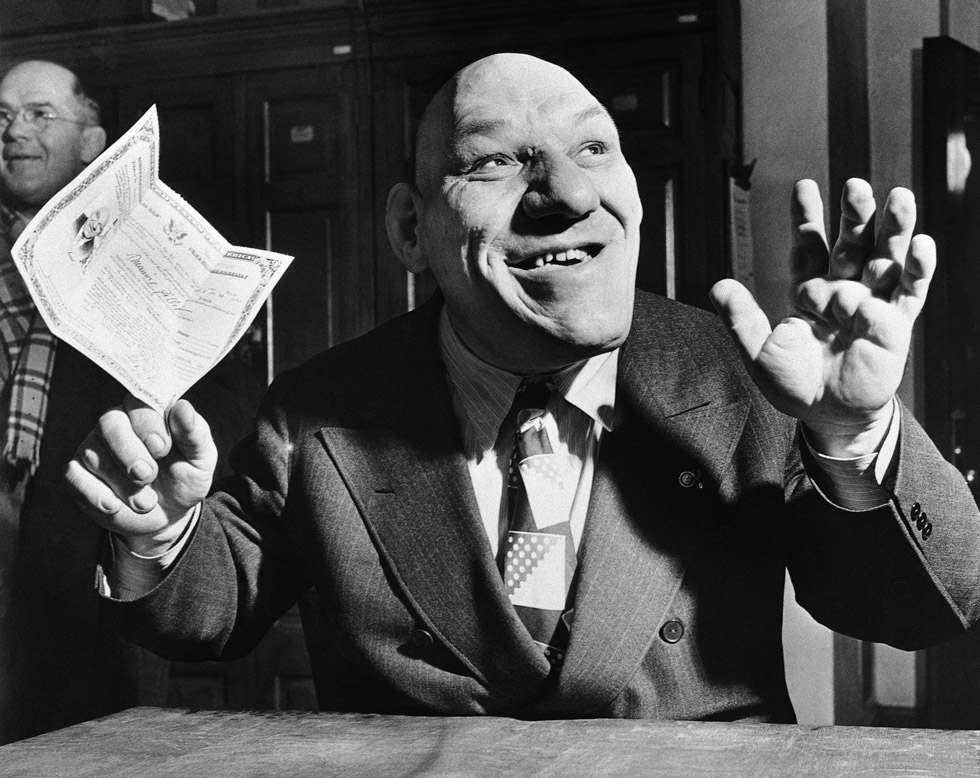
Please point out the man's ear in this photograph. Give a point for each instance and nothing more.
(402, 222)
(93, 143)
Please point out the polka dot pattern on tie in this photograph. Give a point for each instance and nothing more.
(534, 570)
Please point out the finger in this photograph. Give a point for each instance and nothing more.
(149, 426)
(192, 436)
(746, 321)
(856, 239)
(91, 493)
(884, 268)
(897, 225)
(95, 457)
(913, 286)
(836, 303)
(881, 275)
(808, 257)
(98, 501)
(115, 431)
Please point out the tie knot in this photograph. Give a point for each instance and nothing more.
(533, 393)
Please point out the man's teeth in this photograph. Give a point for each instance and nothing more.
(569, 257)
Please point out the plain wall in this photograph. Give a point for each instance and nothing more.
(784, 59)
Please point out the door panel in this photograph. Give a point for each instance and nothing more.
(311, 199)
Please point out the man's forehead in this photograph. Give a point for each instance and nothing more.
(511, 90)
(488, 122)
(37, 85)
(501, 112)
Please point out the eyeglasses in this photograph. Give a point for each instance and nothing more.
(37, 119)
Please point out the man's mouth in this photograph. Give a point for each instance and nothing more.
(13, 152)
(20, 158)
(562, 258)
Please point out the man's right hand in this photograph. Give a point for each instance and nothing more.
(138, 479)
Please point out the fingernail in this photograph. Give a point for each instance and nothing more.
(140, 471)
(155, 445)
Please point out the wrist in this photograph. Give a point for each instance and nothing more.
(851, 439)
(159, 543)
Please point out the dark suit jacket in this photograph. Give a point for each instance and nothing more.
(61, 660)
(355, 485)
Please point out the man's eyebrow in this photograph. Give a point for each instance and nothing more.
(43, 104)
(594, 111)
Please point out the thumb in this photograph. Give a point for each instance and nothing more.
(192, 436)
(746, 322)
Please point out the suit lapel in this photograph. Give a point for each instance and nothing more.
(646, 517)
(409, 479)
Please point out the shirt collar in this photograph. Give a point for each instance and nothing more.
(483, 394)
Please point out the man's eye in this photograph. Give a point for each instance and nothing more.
(593, 149)
(489, 164)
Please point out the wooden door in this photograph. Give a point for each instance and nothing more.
(310, 197)
(951, 163)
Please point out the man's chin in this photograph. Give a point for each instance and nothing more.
(564, 346)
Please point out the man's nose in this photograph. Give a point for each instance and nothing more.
(558, 186)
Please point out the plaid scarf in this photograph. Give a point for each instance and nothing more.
(26, 361)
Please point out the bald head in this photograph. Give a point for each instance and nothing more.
(501, 85)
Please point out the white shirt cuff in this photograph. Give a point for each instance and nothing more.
(132, 575)
(855, 483)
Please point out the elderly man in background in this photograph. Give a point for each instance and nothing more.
(59, 662)
(545, 494)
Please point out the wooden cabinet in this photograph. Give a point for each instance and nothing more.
(286, 130)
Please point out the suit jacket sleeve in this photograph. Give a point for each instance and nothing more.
(236, 576)
(907, 574)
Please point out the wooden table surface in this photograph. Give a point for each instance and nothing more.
(151, 742)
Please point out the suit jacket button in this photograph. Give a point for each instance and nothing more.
(421, 640)
(922, 520)
(916, 511)
(687, 479)
(672, 631)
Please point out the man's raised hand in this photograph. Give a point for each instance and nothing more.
(141, 480)
(836, 361)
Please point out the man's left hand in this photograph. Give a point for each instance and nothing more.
(836, 361)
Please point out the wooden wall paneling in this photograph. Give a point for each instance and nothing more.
(200, 143)
(314, 194)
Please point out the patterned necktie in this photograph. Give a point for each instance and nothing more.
(539, 554)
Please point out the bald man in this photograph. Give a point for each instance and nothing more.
(544, 494)
(60, 662)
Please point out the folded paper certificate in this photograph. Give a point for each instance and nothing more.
(129, 274)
